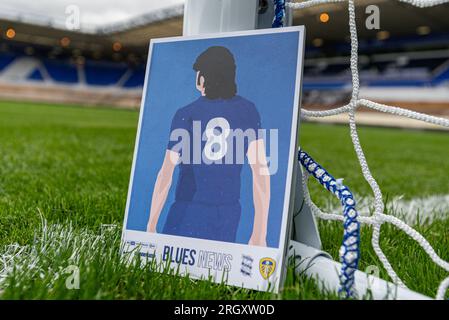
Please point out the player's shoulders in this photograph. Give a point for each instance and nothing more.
(189, 108)
(245, 105)
(243, 101)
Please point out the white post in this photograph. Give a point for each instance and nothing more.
(210, 16)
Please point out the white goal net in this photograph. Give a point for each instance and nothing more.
(380, 216)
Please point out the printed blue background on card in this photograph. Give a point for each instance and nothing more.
(266, 75)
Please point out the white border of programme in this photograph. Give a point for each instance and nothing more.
(234, 276)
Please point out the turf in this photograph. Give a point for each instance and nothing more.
(70, 166)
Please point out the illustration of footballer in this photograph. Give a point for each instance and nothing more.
(211, 139)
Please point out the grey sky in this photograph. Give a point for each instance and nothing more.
(92, 12)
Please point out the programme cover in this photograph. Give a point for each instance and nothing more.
(212, 178)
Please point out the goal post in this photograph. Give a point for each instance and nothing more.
(206, 16)
(209, 16)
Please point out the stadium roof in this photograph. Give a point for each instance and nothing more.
(398, 19)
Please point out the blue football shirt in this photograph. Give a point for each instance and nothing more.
(219, 132)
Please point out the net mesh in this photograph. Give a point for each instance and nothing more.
(379, 216)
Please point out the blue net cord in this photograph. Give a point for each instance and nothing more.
(349, 250)
(279, 13)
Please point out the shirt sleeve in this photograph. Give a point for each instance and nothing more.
(255, 122)
(179, 121)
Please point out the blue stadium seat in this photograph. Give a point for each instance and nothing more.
(137, 78)
(426, 63)
(36, 75)
(61, 71)
(5, 59)
(307, 86)
(442, 77)
(103, 74)
(398, 83)
(335, 69)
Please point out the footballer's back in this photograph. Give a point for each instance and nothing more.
(219, 132)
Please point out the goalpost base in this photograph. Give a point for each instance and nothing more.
(319, 265)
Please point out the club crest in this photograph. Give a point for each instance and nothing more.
(267, 267)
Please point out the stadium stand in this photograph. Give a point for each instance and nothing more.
(110, 61)
(395, 70)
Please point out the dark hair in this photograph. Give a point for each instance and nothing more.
(217, 65)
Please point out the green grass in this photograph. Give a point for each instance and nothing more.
(71, 165)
